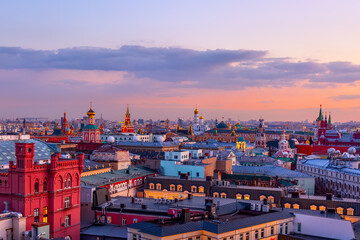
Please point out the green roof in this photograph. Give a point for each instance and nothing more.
(89, 127)
(222, 125)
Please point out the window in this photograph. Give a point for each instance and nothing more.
(247, 236)
(256, 234)
(241, 236)
(299, 227)
(193, 188)
(158, 186)
(36, 187)
(272, 230)
(179, 188)
(247, 197)
(322, 208)
(36, 215)
(262, 197)
(45, 214)
(135, 220)
(45, 186)
(67, 220)
(340, 210)
(262, 233)
(350, 211)
(281, 228)
(296, 206)
(151, 186)
(215, 194)
(313, 207)
(108, 219)
(67, 202)
(65, 183)
(286, 228)
(287, 205)
(69, 183)
(172, 187)
(201, 189)
(197, 174)
(124, 221)
(238, 196)
(223, 195)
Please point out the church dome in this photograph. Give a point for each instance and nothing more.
(201, 117)
(90, 112)
(222, 125)
(196, 111)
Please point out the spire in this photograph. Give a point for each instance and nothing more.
(127, 110)
(329, 120)
(320, 117)
(325, 116)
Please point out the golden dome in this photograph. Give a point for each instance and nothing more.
(229, 125)
(90, 112)
(201, 117)
(196, 111)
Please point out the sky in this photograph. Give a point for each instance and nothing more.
(234, 59)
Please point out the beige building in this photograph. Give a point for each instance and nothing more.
(116, 157)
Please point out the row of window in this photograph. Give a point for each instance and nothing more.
(284, 228)
(44, 213)
(331, 173)
(339, 210)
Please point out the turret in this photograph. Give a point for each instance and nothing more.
(24, 155)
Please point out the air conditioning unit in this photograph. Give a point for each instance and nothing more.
(258, 207)
(266, 208)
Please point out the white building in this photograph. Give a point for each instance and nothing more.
(131, 137)
(198, 125)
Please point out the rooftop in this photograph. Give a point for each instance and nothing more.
(269, 170)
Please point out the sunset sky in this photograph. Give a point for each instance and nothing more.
(234, 59)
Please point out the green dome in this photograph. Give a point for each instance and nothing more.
(90, 127)
(222, 125)
(241, 139)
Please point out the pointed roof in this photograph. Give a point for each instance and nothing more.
(329, 120)
(320, 117)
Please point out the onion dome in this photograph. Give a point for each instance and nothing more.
(241, 139)
(91, 112)
(196, 111)
(201, 117)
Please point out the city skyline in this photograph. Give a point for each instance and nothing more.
(242, 60)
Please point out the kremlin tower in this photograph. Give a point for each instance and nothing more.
(127, 127)
(198, 125)
(91, 133)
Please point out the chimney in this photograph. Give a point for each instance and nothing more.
(329, 196)
(185, 215)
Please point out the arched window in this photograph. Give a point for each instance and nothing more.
(247, 197)
(69, 183)
(287, 205)
(201, 189)
(193, 188)
(179, 188)
(151, 186)
(238, 196)
(223, 195)
(262, 197)
(158, 186)
(172, 187)
(270, 199)
(45, 186)
(36, 187)
(215, 195)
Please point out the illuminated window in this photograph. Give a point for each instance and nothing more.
(193, 188)
(36, 215)
(287, 205)
(67, 220)
(340, 210)
(151, 186)
(247, 197)
(201, 189)
(215, 194)
(158, 186)
(172, 187)
(296, 206)
(108, 219)
(45, 214)
(223, 195)
(350, 211)
(313, 207)
(238, 196)
(179, 188)
(322, 208)
(262, 197)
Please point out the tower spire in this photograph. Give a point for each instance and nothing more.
(329, 120)
(320, 117)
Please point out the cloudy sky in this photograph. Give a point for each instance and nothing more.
(234, 59)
